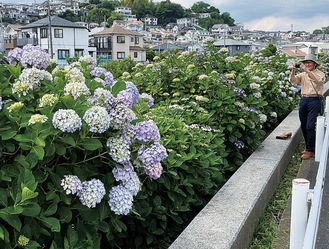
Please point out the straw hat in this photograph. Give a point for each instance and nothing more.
(310, 57)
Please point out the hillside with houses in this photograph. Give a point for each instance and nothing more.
(130, 36)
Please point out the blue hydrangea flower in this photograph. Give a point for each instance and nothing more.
(121, 117)
(240, 91)
(125, 98)
(98, 71)
(147, 131)
(128, 133)
(153, 171)
(130, 87)
(97, 119)
(92, 192)
(103, 97)
(133, 184)
(67, 120)
(152, 155)
(108, 79)
(120, 200)
(149, 97)
(14, 56)
(71, 184)
(35, 56)
(123, 173)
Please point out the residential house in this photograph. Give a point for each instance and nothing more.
(150, 20)
(67, 39)
(233, 46)
(10, 36)
(191, 46)
(118, 43)
(126, 12)
(166, 46)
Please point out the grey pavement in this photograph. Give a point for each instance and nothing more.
(308, 170)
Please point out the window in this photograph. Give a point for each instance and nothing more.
(78, 52)
(120, 39)
(43, 33)
(135, 55)
(136, 40)
(58, 33)
(132, 39)
(63, 54)
(120, 55)
(238, 48)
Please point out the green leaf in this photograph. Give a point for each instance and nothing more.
(31, 210)
(38, 151)
(2, 233)
(11, 219)
(69, 140)
(40, 142)
(28, 194)
(92, 144)
(60, 149)
(72, 237)
(23, 138)
(118, 87)
(51, 209)
(5, 135)
(52, 223)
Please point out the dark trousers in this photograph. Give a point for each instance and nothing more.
(309, 109)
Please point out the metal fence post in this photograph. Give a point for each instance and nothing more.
(299, 212)
(320, 130)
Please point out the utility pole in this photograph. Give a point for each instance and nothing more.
(50, 40)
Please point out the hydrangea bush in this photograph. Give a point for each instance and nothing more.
(76, 150)
(245, 94)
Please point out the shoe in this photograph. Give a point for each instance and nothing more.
(307, 155)
(284, 135)
(303, 152)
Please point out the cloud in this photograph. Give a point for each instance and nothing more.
(272, 23)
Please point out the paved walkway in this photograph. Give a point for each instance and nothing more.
(307, 170)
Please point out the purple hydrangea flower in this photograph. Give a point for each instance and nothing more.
(130, 87)
(154, 171)
(120, 200)
(126, 98)
(14, 56)
(108, 79)
(71, 184)
(147, 131)
(103, 97)
(35, 56)
(121, 117)
(92, 193)
(132, 184)
(240, 91)
(98, 71)
(123, 173)
(152, 155)
(149, 97)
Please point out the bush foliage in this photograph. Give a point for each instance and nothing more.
(92, 161)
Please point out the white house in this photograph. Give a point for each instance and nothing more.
(67, 40)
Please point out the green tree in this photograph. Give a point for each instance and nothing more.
(98, 15)
(167, 12)
(200, 7)
(114, 16)
(69, 15)
(226, 17)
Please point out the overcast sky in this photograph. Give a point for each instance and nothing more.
(269, 15)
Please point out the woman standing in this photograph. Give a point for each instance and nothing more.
(311, 102)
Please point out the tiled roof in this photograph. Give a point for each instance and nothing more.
(55, 22)
(117, 30)
(294, 52)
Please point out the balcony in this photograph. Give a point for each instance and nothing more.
(21, 42)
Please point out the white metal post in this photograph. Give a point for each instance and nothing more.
(320, 130)
(299, 212)
(327, 108)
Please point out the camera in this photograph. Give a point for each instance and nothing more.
(297, 65)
